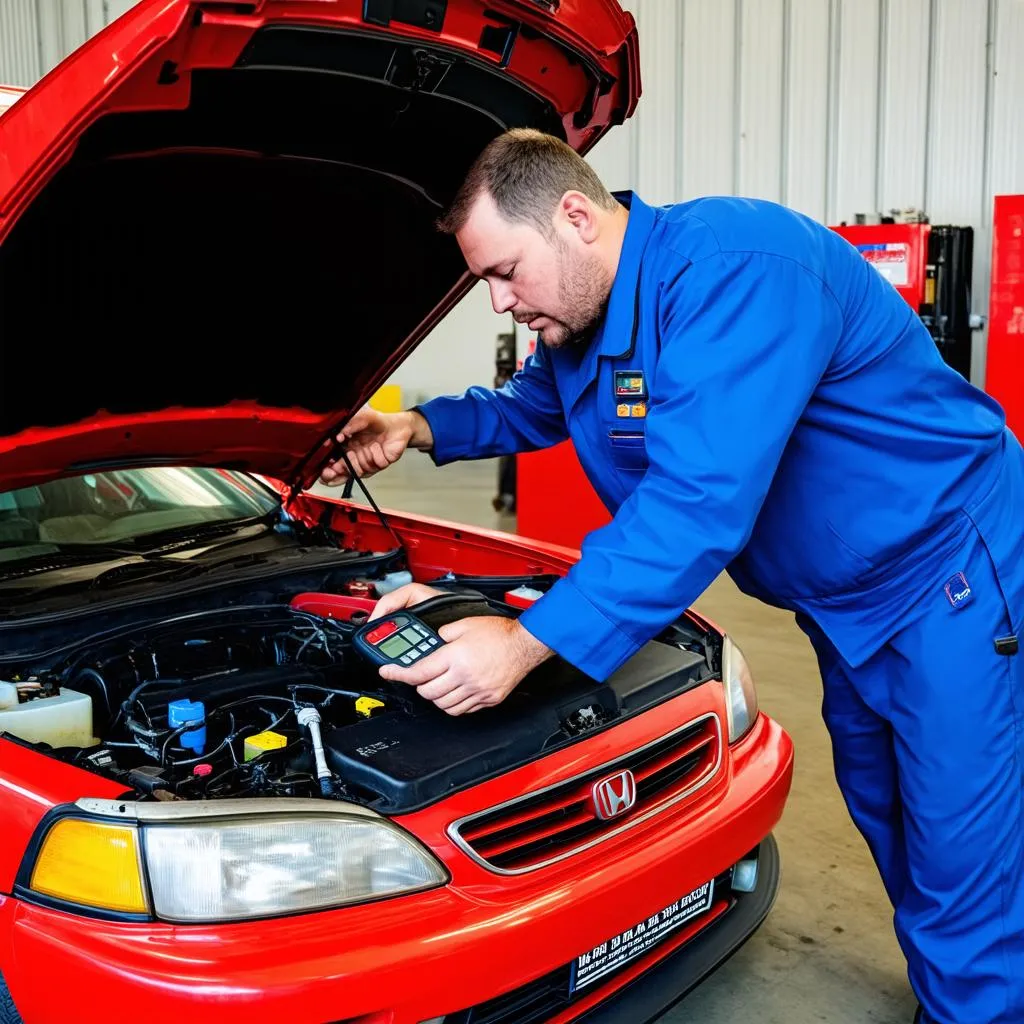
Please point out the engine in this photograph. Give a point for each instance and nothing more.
(215, 705)
(274, 701)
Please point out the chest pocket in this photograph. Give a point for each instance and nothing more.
(628, 449)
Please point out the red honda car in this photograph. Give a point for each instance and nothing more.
(216, 241)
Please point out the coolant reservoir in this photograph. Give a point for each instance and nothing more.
(8, 696)
(61, 721)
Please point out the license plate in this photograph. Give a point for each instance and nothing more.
(625, 947)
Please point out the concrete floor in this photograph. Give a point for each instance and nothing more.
(827, 950)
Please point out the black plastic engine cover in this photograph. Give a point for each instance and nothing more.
(414, 759)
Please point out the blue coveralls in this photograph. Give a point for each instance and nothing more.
(802, 431)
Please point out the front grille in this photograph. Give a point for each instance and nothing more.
(538, 829)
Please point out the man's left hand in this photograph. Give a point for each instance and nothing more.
(482, 661)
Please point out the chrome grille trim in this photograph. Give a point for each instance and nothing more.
(454, 830)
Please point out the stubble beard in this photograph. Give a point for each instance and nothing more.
(583, 290)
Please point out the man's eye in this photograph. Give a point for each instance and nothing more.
(508, 276)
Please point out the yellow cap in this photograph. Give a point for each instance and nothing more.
(91, 863)
(365, 705)
(262, 742)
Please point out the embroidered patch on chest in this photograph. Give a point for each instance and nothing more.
(631, 410)
(629, 384)
(958, 591)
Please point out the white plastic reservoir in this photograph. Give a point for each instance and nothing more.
(61, 721)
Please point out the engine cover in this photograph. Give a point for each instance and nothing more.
(405, 760)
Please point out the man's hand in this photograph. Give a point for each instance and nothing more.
(375, 440)
(482, 661)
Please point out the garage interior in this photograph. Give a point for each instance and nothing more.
(857, 112)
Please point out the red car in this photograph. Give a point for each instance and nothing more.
(216, 240)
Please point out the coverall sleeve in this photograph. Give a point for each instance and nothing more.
(521, 416)
(745, 338)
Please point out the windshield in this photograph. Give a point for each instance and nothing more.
(123, 505)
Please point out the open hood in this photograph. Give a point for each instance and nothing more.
(216, 218)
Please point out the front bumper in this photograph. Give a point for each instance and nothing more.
(655, 991)
(649, 990)
(414, 958)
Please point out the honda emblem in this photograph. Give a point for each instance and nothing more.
(613, 795)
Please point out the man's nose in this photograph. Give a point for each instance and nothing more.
(502, 298)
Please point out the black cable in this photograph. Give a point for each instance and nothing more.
(91, 673)
(325, 689)
(254, 698)
(170, 682)
(263, 758)
(204, 757)
(224, 708)
(369, 498)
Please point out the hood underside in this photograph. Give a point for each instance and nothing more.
(224, 279)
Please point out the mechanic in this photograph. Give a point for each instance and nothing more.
(746, 393)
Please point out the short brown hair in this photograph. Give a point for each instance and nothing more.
(526, 173)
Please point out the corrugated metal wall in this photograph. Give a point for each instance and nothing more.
(834, 107)
(37, 34)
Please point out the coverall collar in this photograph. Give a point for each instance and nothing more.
(614, 336)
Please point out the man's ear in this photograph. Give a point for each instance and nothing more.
(580, 214)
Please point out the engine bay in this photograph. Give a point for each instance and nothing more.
(274, 700)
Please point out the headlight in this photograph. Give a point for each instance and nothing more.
(740, 692)
(214, 862)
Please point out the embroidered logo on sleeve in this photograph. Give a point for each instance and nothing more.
(958, 590)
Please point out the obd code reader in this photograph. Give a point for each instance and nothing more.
(400, 639)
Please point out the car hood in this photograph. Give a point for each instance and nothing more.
(217, 219)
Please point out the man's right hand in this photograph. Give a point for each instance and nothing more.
(374, 440)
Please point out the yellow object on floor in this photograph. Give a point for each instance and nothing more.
(387, 399)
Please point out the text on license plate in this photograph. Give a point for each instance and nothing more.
(633, 942)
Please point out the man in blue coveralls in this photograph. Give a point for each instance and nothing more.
(789, 419)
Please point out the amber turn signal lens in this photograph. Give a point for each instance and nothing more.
(91, 863)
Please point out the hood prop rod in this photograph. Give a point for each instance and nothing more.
(347, 493)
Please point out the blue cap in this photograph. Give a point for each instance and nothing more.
(188, 712)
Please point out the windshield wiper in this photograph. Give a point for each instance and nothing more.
(181, 536)
(68, 554)
(169, 569)
(133, 571)
(46, 561)
(165, 570)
